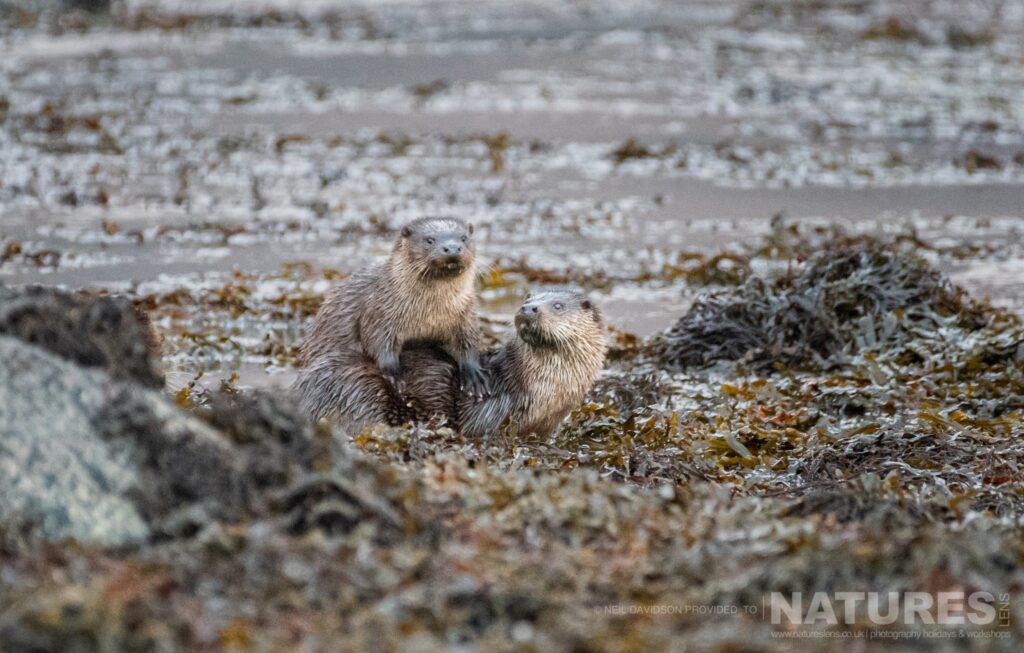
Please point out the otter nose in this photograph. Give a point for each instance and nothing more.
(529, 309)
(452, 250)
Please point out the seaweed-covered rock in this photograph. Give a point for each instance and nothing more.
(91, 330)
(856, 294)
(94, 458)
(98, 459)
(631, 392)
(93, 452)
(270, 426)
(35, 6)
(89, 452)
(185, 466)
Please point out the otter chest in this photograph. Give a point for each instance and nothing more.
(553, 388)
(434, 313)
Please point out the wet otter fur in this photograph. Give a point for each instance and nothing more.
(424, 293)
(536, 377)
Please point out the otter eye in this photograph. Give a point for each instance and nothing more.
(430, 241)
(559, 306)
(464, 239)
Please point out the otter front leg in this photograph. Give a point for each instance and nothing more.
(382, 344)
(463, 348)
(472, 376)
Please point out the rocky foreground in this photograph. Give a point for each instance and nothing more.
(850, 422)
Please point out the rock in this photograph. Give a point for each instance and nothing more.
(91, 330)
(184, 463)
(37, 6)
(90, 450)
(98, 459)
(273, 435)
(58, 477)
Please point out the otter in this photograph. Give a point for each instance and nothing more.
(424, 293)
(536, 377)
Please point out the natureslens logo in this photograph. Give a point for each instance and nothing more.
(954, 608)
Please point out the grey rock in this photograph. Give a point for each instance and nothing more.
(57, 475)
(87, 456)
(88, 451)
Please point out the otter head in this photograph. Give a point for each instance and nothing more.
(437, 248)
(561, 319)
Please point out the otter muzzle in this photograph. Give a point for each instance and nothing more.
(448, 265)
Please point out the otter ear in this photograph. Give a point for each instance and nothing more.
(469, 228)
(406, 231)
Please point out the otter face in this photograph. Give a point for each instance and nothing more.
(439, 247)
(558, 318)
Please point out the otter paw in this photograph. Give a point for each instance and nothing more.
(474, 381)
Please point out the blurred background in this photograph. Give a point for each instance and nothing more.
(224, 162)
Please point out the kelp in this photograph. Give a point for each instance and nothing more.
(854, 296)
